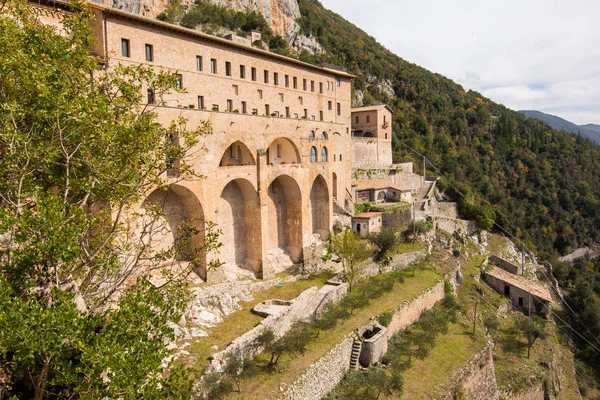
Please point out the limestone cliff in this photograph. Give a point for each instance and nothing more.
(280, 14)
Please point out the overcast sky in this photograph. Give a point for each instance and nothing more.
(527, 55)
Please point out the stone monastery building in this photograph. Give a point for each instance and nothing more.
(284, 142)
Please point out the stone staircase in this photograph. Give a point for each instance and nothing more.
(355, 355)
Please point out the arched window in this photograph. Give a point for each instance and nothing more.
(313, 155)
(323, 154)
(311, 135)
(324, 135)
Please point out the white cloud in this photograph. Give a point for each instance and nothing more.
(538, 54)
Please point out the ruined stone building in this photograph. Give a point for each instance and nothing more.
(284, 140)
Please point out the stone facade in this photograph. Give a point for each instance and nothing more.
(505, 265)
(372, 135)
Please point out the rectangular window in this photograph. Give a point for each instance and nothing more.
(338, 82)
(275, 78)
(151, 98)
(125, 49)
(266, 76)
(312, 86)
(260, 96)
(506, 290)
(339, 109)
(178, 81)
(305, 113)
(242, 71)
(356, 119)
(267, 110)
(253, 73)
(304, 84)
(295, 83)
(312, 117)
(295, 115)
(287, 112)
(276, 113)
(368, 119)
(229, 105)
(286, 80)
(278, 151)
(213, 65)
(340, 157)
(244, 107)
(255, 111)
(236, 89)
(520, 301)
(198, 63)
(227, 68)
(320, 115)
(320, 87)
(201, 102)
(149, 52)
(281, 97)
(301, 100)
(329, 105)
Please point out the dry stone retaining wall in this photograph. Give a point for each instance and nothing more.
(280, 324)
(477, 380)
(324, 375)
(452, 225)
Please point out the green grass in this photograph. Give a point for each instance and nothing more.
(240, 322)
(451, 352)
(407, 247)
(266, 385)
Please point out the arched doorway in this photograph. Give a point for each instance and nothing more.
(319, 208)
(171, 228)
(285, 218)
(239, 218)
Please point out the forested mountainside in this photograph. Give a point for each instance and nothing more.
(561, 124)
(541, 184)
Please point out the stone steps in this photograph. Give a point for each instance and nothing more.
(355, 355)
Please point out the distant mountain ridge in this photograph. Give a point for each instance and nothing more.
(589, 131)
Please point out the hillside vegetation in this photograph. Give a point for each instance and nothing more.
(543, 185)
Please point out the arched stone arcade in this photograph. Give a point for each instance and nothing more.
(319, 208)
(237, 154)
(285, 218)
(171, 226)
(283, 151)
(239, 218)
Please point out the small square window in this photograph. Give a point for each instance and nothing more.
(125, 49)
(149, 52)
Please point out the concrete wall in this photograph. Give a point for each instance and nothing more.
(477, 380)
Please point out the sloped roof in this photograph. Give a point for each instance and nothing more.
(517, 281)
(368, 215)
(372, 108)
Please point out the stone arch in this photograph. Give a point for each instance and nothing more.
(237, 154)
(173, 221)
(283, 151)
(239, 218)
(319, 207)
(285, 218)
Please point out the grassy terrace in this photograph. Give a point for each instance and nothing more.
(266, 385)
(240, 322)
(451, 352)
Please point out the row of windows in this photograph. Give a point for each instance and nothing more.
(313, 154)
(149, 53)
(368, 119)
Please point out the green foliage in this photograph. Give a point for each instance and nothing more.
(384, 240)
(386, 318)
(361, 207)
(295, 341)
(78, 149)
(369, 384)
(531, 329)
(352, 251)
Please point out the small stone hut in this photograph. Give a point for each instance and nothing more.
(519, 289)
(368, 222)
